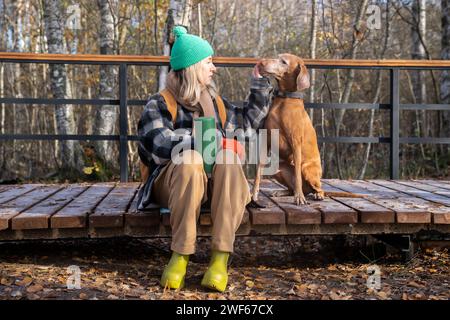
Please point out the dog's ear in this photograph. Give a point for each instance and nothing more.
(303, 78)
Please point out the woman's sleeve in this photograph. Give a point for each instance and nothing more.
(156, 132)
(255, 109)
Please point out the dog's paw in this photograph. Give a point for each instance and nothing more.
(318, 196)
(300, 199)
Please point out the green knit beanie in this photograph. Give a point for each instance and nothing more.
(188, 49)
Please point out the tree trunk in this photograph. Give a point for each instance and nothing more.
(445, 76)
(2, 89)
(179, 13)
(418, 34)
(312, 53)
(106, 115)
(358, 35)
(377, 92)
(70, 150)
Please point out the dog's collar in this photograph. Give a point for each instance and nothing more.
(287, 94)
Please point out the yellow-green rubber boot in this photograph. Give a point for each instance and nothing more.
(175, 271)
(216, 277)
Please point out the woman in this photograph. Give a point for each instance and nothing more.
(181, 186)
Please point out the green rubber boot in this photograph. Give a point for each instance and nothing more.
(216, 277)
(175, 271)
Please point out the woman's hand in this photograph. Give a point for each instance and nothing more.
(235, 146)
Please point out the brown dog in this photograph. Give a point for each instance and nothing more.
(300, 169)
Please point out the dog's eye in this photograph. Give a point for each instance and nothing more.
(283, 62)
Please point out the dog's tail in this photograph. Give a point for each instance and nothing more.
(344, 194)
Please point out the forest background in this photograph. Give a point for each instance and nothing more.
(321, 29)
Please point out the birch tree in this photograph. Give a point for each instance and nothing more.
(418, 33)
(445, 55)
(179, 13)
(2, 85)
(312, 52)
(358, 36)
(106, 115)
(70, 150)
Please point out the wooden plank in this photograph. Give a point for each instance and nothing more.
(412, 191)
(10, 209)
(369, 212)
(334, 211)
(270, 214)
(407, 209)
(436, 205)
(273, 188)
(361, 187)
(303, 214)
(145, 218)
(444, 184)
(38, 216)
(109, 213)
(437, 189)
(165, 219)
(14, 191)
(74, 215)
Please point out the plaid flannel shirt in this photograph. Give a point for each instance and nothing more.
(157, 136)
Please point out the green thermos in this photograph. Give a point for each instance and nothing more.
(205, 141)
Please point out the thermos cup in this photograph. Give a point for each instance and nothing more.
(205, 141)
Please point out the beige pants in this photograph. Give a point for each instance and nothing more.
(183, 189)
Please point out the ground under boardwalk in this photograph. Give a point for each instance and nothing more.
(57, 211)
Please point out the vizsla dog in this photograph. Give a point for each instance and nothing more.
(300, 169)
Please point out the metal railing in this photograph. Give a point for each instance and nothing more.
(393, 66)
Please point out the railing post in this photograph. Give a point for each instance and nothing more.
(395, 123)
(123, 123)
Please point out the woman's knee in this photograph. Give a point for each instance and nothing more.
(188, 162)
(227, 158)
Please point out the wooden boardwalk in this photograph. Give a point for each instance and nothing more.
(52, 211)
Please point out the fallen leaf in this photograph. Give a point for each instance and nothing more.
(34, 288)
(112, 297)
(212, 296)
(291, 292)
(25, 282)
(334, 296)
(383, 295)
(249, 283)
(313, 287)
(404, 296)
(297, 278)
(83, 296)
(302, 288)
(332, 267)
(6, 282)
(33, 297)
(415, 284)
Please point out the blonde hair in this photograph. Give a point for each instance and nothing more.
(187, 84)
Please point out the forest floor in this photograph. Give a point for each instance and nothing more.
(261, 268)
